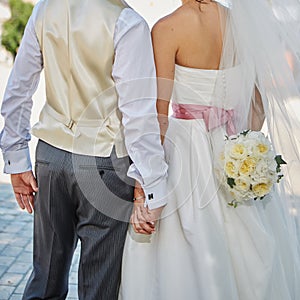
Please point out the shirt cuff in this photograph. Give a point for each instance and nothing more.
(156, 196)
(16, 162)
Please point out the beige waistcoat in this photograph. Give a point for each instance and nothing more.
(81, 111)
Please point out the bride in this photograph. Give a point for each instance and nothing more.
(226, 66)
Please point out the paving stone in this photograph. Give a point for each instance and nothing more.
(6, 189)
(25, 257)
(26, 277)
(12, 208)
(6, 260)
(72, 291)
(3, 269)
(21, 241)
(16, 296)
(21, 222)
(6, 291)
(73, 278)
(74, 268)
(6, 238)
(4, 224)
(15, 227)
(16, 243)
(11, 279)
(8, 197)
(10, 201)
(11, 251)
(29, 247)
(28, 233)
(21, 287)
(2, 246)
(20, 268)
(8, 217)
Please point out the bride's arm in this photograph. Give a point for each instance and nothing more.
(164, 45)
(257, 114)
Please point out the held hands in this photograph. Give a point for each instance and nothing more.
(142, 219)
(24, 185)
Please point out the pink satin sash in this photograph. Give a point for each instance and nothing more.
(213, 116)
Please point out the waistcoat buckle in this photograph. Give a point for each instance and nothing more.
(70, 124)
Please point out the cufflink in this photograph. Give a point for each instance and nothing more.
(150, 196)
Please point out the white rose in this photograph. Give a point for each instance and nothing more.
(238, 151)
(240, 196)
(242, 184)
(256, 135)
(272, 164)
(263, 188)
(263, 148)
(231, 168)
(262, 170)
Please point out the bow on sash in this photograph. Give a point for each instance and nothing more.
(212, 116)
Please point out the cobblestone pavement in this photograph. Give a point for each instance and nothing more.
(16, 249)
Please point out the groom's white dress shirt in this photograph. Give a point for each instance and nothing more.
(133, 60)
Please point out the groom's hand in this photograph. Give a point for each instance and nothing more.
(24, 186)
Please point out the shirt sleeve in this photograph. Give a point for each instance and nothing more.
(17, 103)
(135, 78)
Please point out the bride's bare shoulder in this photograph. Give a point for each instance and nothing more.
(174, 22)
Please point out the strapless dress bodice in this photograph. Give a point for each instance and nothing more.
(207, 87)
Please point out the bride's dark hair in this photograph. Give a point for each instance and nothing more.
(201, 2)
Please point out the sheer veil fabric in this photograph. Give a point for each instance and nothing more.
(261, 38)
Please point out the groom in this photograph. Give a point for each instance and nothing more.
(100, 76)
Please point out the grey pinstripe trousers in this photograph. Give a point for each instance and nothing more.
(76, 196)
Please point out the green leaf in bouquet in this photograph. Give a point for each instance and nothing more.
(245, 132)
(279, 160)
(258, 198)
(279, 178)
(231, 182)
(233, 203)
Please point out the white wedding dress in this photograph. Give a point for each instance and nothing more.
(204, 249)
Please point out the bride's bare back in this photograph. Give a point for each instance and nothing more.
(190, 37)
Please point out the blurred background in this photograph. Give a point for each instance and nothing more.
(13, 17)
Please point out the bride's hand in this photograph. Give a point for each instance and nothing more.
(140, 218)
(154, 214)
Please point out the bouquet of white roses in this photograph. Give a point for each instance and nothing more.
(250, 166)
